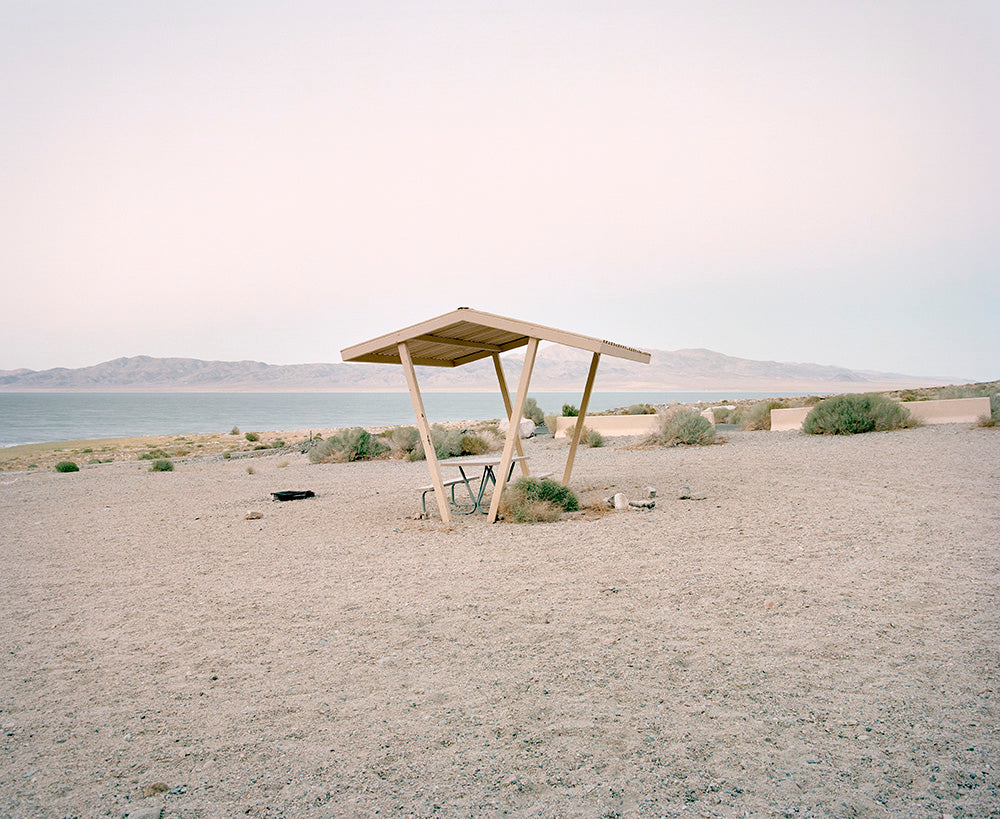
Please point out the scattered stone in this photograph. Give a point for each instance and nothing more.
(145, 813)
(687, 494)
(620, 501)
(154, 788)
(768, 605)
(526, 427)
(650, 491)
(418, 516)
(646, 504)
(254, 515)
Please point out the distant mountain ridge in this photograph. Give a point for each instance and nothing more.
(556, 368)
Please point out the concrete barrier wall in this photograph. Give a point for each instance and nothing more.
(946, 411)
(611, 426)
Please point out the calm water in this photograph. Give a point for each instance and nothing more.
(35, 417)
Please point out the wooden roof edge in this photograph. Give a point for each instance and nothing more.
(359, 352)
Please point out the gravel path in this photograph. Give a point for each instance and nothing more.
(818, 637)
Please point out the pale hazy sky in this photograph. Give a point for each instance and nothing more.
(800, 181)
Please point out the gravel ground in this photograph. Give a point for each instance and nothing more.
(817, 637)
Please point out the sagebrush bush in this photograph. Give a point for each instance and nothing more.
(569, 411)
(639, 409)
(252, 436)
(534, 412)
(993, 419)
(162, 465)
(721, 414)
(550, 423)
(855, 413)
(683, 426)
(592, 438)
(67, 466)
(758, 416)
(530, 500)
(354, 444)
(234, 431)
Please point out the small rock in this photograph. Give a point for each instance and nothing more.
(154, 788)
(768, 605)
(418, 516)
(145, 813)
(254, 515)
(650, 491)
(620, 501)
(685, 493)
(646, 504)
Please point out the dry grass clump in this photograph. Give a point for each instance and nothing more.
(530, 500)
(682, 426)
(354, 444)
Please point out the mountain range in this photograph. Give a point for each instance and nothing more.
(556, 368)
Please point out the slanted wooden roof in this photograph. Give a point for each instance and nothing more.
(465, 335)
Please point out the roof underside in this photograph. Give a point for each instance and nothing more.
(467, 335)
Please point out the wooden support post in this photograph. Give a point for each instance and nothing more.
(578, 429)
(506, 402)
(425, 432)
(513, 431)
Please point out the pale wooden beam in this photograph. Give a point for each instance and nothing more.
(578, 429)
(513, 431)
(425, 431)
(498, 366)
(458, 342)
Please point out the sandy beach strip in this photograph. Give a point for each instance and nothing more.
(819, 636)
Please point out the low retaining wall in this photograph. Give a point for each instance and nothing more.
(945, 411)
(611, 426)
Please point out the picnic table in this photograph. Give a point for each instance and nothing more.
(487, 464)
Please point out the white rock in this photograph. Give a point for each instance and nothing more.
(621, 502)
(527, 427)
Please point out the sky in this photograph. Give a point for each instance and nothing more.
(792, 181)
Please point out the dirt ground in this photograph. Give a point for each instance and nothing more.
(819, 636)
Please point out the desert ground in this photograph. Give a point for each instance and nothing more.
(818, 636)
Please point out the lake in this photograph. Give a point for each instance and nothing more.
(39, 417)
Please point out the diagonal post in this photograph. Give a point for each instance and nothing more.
(425, 431)
(506, 402)
(513, 431)
(578, 429)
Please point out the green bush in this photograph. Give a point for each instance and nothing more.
(569, 411)
(530, 500)
(721, 414)
(683, 426)
(534, 412)
(758, 416)
(67, 466)
(153, 454)
(640, 409)
(592, 438)
(162, 465)
(854, 413)
(252, 436)
(354, 444)
(993, 419)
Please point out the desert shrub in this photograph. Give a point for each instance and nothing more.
(592, 438)
(162, 465)
(67, 466)
(640, 409)
(279, 444)
(450, 443)
(354, 444)
(473, 444)
(683, 426)
(153, 454)
(758, 416)
(721, 414)
(854, 413)
(530, 500)
(569, 411)
(252, 436)
(93, 461)
(404, 442)
(533, 411)
(993, 419)
(87, 450)
(234, 431)
(550, 423)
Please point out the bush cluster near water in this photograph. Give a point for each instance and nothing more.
(851, 414)
(357, 444)
(67, 466)
(530, 500)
